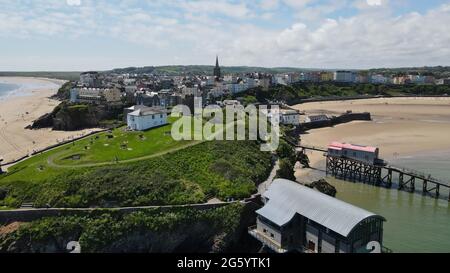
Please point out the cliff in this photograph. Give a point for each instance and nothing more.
(72, 117)
(182, 230)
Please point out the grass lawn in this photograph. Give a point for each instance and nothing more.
(152, 169)
(223, 169)
(118, 146)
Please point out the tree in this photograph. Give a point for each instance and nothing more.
(286, 170)
(285, 150)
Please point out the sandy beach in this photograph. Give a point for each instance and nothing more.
(401, 127)
(20, 110)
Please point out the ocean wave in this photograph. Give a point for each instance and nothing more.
(9, 88)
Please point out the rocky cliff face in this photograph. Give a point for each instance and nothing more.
(69, 117)
(198, 236)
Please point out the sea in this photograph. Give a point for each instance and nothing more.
(7, 89)
(414, 222)
(11, 88)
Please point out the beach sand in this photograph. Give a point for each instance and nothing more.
(20, 111)
(401, 127)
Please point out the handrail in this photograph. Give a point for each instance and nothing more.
(266, 240)
(419, 174)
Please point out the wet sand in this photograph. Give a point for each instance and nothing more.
(401, 127)
(19, 111)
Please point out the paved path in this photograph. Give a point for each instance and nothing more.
(263, 187)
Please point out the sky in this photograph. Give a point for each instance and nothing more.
(77, 35)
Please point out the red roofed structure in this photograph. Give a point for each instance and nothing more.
(366, 154)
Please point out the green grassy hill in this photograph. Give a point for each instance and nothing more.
(136, 168)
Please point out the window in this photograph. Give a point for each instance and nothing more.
(265, 230)
(153, 116)
(271, 235)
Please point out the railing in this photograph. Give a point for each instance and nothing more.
(419, 174)
(316, 148)
(275, 246)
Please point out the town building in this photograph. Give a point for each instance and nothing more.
(312, 76)
(344, 76)
(280, 79)
(149, 99)
(289, 117)
(230, 79)
(297, 218)
(326, 76)
(316, 118)
(108, 96)
(378, 79)
(90, 79)
(144, 118)
(366, 154)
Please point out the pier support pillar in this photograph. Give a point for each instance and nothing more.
(400, 181)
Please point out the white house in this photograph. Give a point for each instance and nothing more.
(290, 117)
(145, 118)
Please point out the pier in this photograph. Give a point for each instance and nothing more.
(381, 174)
(384, 174)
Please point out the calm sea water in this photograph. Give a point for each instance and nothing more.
(7, 88)
(415, 223)
(10, 88)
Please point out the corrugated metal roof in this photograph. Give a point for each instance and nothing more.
(353, 147)
(287, 198)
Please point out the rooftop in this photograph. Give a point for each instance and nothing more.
(355, 147)
(288, 198)
(145, 111)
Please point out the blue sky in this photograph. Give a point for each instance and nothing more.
(104, 34)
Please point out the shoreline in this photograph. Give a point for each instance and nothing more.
(17, 112)
(356, 98)
(401, 127)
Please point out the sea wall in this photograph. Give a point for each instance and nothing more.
(344, 118)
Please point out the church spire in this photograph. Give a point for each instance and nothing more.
(217, 73)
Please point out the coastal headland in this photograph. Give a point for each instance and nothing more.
(20, 110)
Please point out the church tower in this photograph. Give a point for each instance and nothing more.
(217, 73)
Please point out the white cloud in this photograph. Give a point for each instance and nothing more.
(185, 32)
(374, 2)
(73, 2)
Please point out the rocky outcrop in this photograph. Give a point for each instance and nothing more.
(324, 187)
(72, 117)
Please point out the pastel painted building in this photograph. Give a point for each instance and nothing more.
(366, 154)
(144, 118)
